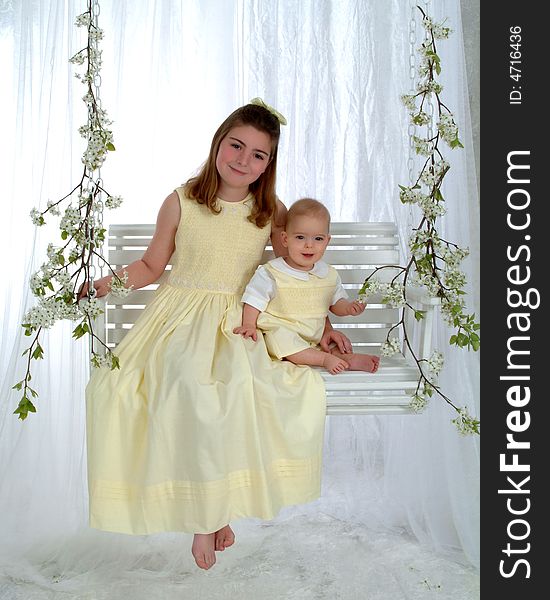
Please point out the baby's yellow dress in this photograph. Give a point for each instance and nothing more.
(294, 320)
(199, 426)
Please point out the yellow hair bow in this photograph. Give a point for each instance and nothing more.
(275, 113)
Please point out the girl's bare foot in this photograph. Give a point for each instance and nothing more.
(359, 362)
(224, 538)
(335, 364)
(203, 549)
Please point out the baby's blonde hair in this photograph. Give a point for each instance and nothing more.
(307, 207)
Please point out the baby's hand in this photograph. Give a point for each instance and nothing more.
(247, 331)
(356, 307)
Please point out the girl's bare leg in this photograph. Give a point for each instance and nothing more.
(359, 362)
(224, 538)
(203, 549)
(317, 358)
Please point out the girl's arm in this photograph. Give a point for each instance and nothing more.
(344, 308)
(277, 226)
(248, 327)
(151, 265)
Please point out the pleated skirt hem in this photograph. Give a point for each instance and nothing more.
(204, 507)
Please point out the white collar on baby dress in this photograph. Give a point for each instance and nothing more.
(320, 269)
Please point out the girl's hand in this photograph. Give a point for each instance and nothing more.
(356, 308)
(102, 287)
(334, 336)
(247, 331)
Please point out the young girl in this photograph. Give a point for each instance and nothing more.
(198, 426)
(288, 298)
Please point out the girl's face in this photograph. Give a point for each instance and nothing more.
(243, 156)
(306, 238)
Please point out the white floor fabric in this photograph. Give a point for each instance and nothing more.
(298, 558)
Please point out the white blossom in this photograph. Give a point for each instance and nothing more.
(423, 146)
(78, 58)
(91, 307)
(428, 86)
(113, 202)
(409, 100)
(71, 220)
(410, 195)
(420, 118)
(447, 128)
(36, 217)
(438, 30)
(435, 363)
(390, 347)
(53, 208)
(118, 286)
(431, 207)
(418, 403)
(99, 361)
(465, 423)
(83, 20)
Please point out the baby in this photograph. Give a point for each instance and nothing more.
(288, 298)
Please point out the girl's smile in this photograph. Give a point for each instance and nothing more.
(243, 156)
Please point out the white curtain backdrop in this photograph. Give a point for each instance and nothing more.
(173, 69)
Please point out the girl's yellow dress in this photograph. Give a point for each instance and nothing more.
(200, 426)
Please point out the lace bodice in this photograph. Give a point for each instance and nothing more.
(218, 253)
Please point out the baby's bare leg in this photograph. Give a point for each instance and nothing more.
(359, 362)
(317, 358)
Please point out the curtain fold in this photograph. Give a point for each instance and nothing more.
(172, 71)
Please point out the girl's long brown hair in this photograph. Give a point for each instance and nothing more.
(204, 186)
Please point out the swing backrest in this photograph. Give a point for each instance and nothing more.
(354, 250)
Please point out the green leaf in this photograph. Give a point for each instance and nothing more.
(19, 385)
(462, 339)
(419, 314)
(115, 363)
(38, 352)
(64, 235)
(453, 340)
(110, 147)
(24, 408)
(79, 331)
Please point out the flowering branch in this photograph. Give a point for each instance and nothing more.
(434, 261)
(71, 264)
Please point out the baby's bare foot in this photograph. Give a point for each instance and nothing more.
(360, 362)
(224, 538)
(334, 364)
(203, 549)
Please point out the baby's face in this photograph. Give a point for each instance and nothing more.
(306, 238)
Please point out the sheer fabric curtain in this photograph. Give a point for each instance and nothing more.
(172, 71)
(337, 71)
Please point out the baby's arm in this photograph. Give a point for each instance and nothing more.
(248, 328)
(257, 294)
(344, 308)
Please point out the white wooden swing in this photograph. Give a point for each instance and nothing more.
(355, 250)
